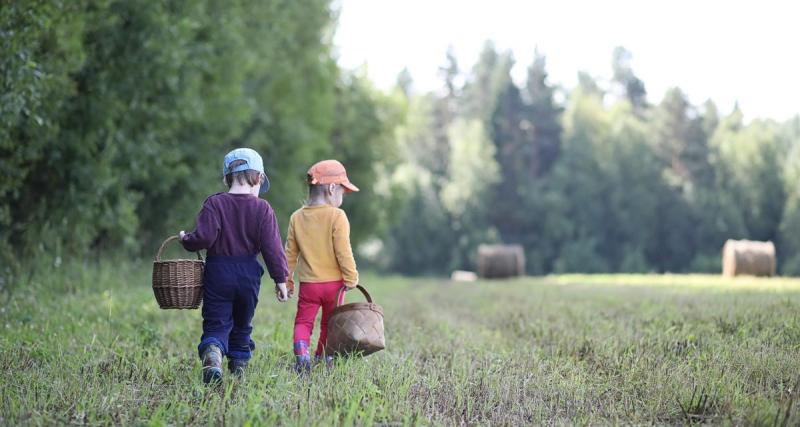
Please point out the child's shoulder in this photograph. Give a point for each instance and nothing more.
(295, 214)
(227, 199)
(338, 215)
(213, 198)
(327, 209)
(314, 212)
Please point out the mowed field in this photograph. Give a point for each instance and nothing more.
(90, 346)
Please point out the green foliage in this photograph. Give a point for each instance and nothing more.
(490, 77)
(580, 256)
(470, 180)
(472, 167)
(116, 115)
(593, 186)
(421, 240)
(543, 116)
(362, 137)
(752, 167)
(41, 48)
(631, 86)
(788, 240)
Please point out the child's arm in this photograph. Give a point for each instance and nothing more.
(292, 252)
(344, 253)
(272, 249)
(206, 231)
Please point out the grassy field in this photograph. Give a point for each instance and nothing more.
(90, 346)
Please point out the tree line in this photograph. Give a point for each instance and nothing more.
(115, 116)
(595, 178)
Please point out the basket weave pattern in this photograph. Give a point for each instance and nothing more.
(356, 328)
(177, 283)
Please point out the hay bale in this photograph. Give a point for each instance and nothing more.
(499, 261)
(463, 276)
(747, 257)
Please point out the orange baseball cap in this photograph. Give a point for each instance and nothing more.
(330, 172)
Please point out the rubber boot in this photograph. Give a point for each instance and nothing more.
(327, 359)
(237, 366)
(212, 364)
(302, 364)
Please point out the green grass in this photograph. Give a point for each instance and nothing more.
(89, 345)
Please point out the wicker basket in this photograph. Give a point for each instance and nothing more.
(177, 283)
(355, 328)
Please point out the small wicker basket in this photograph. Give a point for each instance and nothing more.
(178, 283)
(355, 328)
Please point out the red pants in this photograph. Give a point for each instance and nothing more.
(312, 297)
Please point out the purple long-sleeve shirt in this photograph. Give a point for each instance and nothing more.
(239, 225)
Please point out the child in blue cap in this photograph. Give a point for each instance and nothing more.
(234, 227)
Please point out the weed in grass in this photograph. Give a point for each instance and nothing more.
(699, 408)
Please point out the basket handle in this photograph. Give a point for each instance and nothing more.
(163, 245)
(339, 298)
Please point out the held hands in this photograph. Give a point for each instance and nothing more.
(281, 292)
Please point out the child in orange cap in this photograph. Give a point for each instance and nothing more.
(318, 249)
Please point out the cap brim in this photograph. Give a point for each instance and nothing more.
(349, 187)
(264, 185)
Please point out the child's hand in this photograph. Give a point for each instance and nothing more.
(281, 292)
(182, 234)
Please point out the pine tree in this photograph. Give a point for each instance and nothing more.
(631, 86)
(543, 116)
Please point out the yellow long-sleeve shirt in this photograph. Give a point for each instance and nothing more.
(318, 246)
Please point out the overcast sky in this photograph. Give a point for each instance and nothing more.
(725, 50)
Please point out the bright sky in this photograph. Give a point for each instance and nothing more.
(725, 50)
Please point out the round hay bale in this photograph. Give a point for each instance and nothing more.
(748, 257)
(500, 261)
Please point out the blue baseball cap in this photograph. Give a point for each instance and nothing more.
(252, 160)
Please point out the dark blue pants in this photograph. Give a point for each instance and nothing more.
(230, 296)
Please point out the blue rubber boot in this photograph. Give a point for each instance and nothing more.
(328, 361)
(302, 364)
